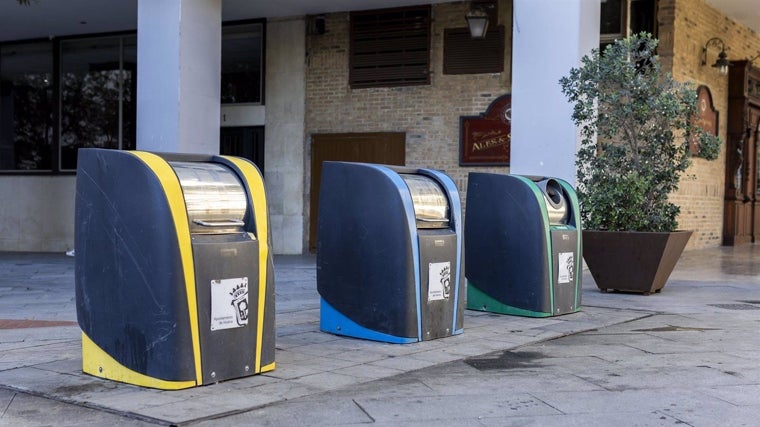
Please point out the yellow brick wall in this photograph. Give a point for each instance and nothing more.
(685, 27)
(429, 114)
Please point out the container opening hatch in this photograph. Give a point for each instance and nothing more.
(431, 207)
(215, 199)
(556, 201)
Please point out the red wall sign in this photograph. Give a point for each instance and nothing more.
(485, 140)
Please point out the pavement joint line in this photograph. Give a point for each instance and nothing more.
(364, 410)
(8, 405)
(567, 334)
(125, 414)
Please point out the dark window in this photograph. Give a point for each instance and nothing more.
(390, 47)
(247, 142)
(611, 19)
(48, 112)
(464, 55)
(97, 95)
(26, 106)
(621, 18)
(242, 63)
(642, 16)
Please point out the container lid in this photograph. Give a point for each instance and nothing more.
(214, 196)
(431, 206)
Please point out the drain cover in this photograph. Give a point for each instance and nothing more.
(736, 306)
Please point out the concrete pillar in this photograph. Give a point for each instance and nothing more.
(549, 38)
(284, 132)
(179, 71)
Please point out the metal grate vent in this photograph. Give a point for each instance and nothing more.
(463, 55)
(390, 47)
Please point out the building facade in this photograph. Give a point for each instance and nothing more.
(294, 90)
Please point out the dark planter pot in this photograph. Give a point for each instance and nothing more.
(632, 261)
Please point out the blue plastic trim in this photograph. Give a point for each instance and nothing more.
(411, 221)
(456, 214)
(334, 322)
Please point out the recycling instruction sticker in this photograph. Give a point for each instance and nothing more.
(439, 279)
(229, 303)
(566, 267)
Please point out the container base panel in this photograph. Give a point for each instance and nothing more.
(334, 322)
(480, 301)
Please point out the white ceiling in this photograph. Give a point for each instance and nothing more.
(45, 18)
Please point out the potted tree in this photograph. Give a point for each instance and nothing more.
(636, 123)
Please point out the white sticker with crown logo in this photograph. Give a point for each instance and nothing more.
(439, 279)
(229, 303)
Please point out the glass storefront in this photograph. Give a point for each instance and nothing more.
(97, 86)
(95, 104)
(26, 106)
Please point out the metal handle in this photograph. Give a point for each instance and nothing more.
(446, 220)
(227, 223)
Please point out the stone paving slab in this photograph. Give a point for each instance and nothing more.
(46, 361)
(687, 355)
(308, 363)
(536, 385)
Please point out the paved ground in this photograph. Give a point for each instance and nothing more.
(689, 355)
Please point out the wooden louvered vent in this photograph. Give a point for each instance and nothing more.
(463, 55)
(390, 47)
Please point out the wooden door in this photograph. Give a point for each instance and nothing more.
(382, 147)
(741, 218)
(754, 186)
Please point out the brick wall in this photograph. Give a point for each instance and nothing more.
(429, 115)
(685, 27)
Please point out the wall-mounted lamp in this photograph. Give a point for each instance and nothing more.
(722, 63)
(477, 21)
(480, 15)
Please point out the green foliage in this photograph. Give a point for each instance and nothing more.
(636, 122)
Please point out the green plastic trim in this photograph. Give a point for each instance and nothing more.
(478, 300)
(577, 223)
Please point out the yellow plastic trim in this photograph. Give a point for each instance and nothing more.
(175, 198)
(256, 185)
(97, 362)
(267, 368)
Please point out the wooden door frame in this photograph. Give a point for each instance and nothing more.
(396, 154)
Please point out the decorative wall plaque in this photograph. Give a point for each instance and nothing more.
(707, 117)
(485, 139)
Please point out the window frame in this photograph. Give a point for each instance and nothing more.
(625, 22)
(262, 80)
